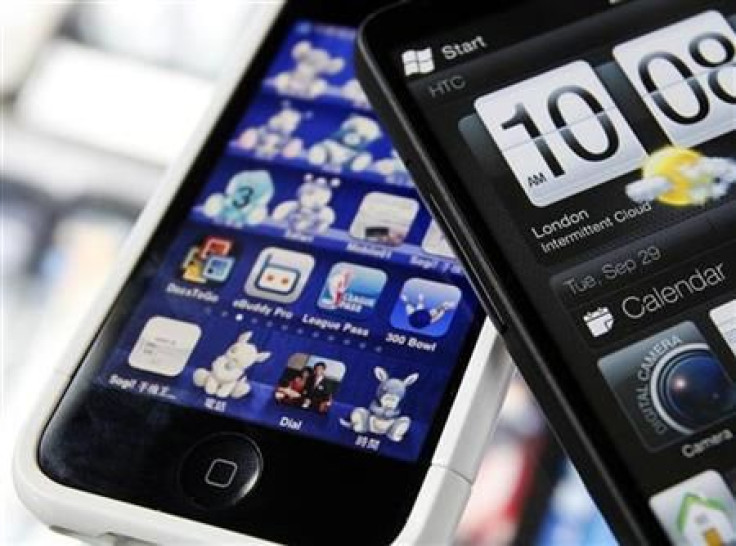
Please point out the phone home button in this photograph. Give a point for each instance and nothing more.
(220, 470)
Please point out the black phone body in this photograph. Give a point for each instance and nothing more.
(560, 145)
(264, 368)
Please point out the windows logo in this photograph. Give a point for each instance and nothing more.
(418, 61)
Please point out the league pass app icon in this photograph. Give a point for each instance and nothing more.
(426, 307)
(209, 261)
(352, 289)
(670, 385)
(164, 346)
(700, 511)
(279, 275)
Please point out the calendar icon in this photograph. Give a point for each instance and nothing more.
(686, 75)
(560, 133)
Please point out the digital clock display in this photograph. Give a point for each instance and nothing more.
(562, 132)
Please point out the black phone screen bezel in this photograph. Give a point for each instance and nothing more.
(128, 447)
(539, 359)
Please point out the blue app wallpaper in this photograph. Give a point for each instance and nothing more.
(307, 280)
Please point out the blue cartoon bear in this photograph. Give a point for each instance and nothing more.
(383, 416)
(310, 212)
(244, 201)
(276, 136)
(348, 147)
(308, 77)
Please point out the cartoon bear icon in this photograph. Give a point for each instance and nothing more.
(347, 148)
(310, 212)
(383, 417)
(226, 377)
(244, 201)
(306, 79)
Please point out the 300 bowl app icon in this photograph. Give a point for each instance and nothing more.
(670, 385)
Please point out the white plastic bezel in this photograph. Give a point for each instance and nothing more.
(445, 490)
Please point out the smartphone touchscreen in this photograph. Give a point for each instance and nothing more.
(306, 273)
(594, 151)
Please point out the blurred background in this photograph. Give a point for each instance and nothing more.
(97, 99)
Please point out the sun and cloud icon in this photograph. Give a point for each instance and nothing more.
(682, 177)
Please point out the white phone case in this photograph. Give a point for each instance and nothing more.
(447, 485)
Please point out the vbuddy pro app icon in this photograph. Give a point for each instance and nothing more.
(279, 275)
(352, 289)
(700, 511)
(426, 307)
(670, 385)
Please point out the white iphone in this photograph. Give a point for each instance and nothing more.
(289, 351)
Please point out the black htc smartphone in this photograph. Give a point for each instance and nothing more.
(581, 154)
(289, 351)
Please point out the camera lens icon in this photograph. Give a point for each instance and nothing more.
(670, 385)
(690, 388)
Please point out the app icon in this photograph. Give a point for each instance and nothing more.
(309, 382)
(279, 275)
(352, 289)
(348, 147)
(670, 385)
(384, 415)
(311, 211)
(226, 377)
(599, 322)
(426, 307)
(724, 317)
(244, 201)
(434, 242)
(383, 218)
(164, 346)
(209, 261)
(698, 512)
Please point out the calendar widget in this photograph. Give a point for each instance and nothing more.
(686, 75)
(561, 133)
